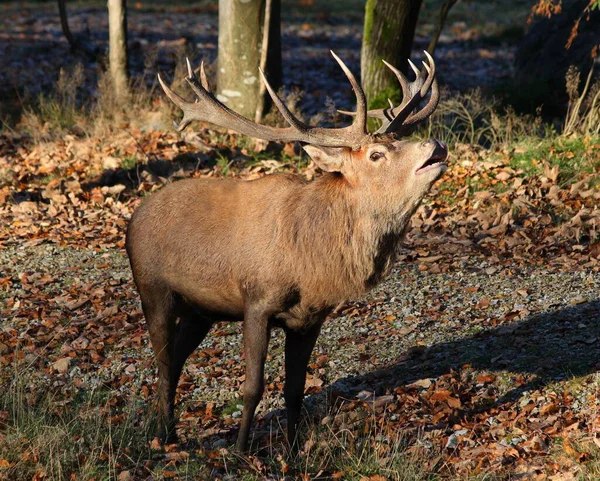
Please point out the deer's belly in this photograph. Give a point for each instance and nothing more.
(228, 302)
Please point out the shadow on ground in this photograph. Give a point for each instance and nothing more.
(555, 346)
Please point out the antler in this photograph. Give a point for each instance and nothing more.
(401, 118)
(208, 109)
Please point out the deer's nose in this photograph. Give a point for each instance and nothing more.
(438, 148)
(435, 143)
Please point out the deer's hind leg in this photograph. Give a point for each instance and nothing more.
(298, 348)
(159, 310)
(191, 330)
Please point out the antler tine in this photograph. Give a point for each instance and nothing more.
(430, 73)
(287, 115)
(192, 75)
(360, 122)
(409, 89)
(177, 100)
(397, 119)
(208, 108)
(402, 80)
(403, 114)
(189, 67)
(429, 107)
(433, 99)
(203, 78)
(414, 68)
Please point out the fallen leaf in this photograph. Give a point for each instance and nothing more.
(156, 445)
(125, 476)
(62, 365)
(440, 395)
(420, 384)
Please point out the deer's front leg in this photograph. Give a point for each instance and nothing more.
(298, 347)
(256, 342)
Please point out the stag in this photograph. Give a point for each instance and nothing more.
(279, 251)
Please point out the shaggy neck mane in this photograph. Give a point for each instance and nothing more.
(340, 248)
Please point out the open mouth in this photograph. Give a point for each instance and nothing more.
(436, 160)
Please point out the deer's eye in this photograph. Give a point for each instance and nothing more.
(375, 156)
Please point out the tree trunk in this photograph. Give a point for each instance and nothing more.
(118, 55)
(388, 35)
(241, 25)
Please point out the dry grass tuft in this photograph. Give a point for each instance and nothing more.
(61, 110)
(474, 119)
(583, 114)
(74, 435)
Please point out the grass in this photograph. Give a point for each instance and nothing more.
(583, 456)
(66, 110)
(59, 110)
(583, 114)
(233, 406)
(224, 164)
(129, 162)
(72, 434)
(357, 457)
(473, 118)
(573, 156)
(100, 434)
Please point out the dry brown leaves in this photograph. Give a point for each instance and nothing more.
(80, 192)
(485, 206)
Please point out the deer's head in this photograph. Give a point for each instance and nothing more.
(378, 165)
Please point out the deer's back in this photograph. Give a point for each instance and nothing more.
(209, 240)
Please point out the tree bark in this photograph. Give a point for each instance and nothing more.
(118, 55)
(388, 35)
(241, 25)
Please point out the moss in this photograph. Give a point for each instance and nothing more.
(387, 30)
(369, 15)
(380, 100)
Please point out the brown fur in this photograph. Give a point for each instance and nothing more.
(277, 251)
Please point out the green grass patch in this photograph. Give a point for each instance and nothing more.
(573, 157)
(129, 162)
(231, 407)
(529, 158)
(85, 435)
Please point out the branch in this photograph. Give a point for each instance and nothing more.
(443, 14)
(76, 46)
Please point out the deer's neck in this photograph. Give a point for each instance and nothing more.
(342, 247)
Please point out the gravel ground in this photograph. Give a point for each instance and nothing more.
(417, 324)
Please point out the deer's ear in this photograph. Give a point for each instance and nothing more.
(329, 159)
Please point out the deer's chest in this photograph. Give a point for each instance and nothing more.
(300, 319)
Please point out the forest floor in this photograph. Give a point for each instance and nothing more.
(476, 49)
(476, 359)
